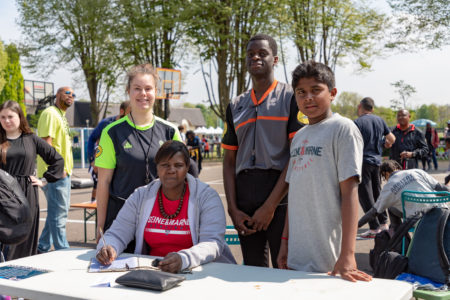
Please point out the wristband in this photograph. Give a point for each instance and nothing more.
(284, 238)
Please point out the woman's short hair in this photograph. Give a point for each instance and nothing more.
(169, 149)
(389, 166)
(141, 69)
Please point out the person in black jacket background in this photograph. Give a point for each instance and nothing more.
(409, 143)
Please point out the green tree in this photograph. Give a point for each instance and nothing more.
(430, 112)
(334, 32)
(151, 31)
(423, 23)
(443, 115)
(3, 63)
(220, 29)
(387, 114)
(73, 34)
(404, 91)
(346, 104)
(12, 75)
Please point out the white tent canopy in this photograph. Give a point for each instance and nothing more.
(208, 131)
(218, 131)
(200, 130)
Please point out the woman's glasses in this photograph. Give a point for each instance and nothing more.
(69, 92)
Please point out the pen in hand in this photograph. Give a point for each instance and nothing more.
(102, 236)
(107, 254)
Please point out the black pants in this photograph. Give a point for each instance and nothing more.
(252, 189)
(369, 190)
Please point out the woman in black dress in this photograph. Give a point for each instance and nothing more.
(18, 149)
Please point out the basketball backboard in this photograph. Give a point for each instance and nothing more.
(169, 84)
(36, 90)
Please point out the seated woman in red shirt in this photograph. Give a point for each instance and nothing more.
(177, 217)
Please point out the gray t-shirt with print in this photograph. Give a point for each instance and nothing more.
(406, 180)
(322, 156)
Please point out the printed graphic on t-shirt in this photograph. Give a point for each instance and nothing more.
(399, 186)
(127, 145)
(166, 226)
(165, 235)
(99, 151)
(302, 157)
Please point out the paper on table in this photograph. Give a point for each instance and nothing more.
(120, 264)
(107, 280)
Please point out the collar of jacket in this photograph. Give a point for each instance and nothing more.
(411, 127)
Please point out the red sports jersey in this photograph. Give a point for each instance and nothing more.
(168, 235)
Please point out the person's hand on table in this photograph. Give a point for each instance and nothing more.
(346, 267)
(282, 255)
(171, 263)
(262, 218)
(106, 255)
(242, 222)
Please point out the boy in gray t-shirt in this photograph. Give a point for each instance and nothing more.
(323, 175)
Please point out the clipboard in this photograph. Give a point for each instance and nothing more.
(121, 264)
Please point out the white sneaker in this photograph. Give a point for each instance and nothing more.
(370, 234)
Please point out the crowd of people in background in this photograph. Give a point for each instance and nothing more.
(150, 200)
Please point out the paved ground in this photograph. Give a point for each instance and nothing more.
(211, 174)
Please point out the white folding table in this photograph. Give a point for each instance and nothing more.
(69, 279)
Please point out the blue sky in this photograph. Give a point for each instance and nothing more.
(428, 71)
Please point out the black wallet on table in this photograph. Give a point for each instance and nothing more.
(150, 279)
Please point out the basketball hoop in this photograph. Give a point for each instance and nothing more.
(168, 87)
(169, 84)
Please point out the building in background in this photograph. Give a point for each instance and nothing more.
(190, 118)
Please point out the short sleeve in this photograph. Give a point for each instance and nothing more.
(177, 135)
(229, 139)
(105, 157)
(293, 124)
(47, 124)
(432, 182)
(386, 129)
(288, 173)
(95, 135)
(349, 151)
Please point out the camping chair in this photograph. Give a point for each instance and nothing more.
(231, 236)
(436, 199)
(432, 198)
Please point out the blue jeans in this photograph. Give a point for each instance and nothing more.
(58, 202)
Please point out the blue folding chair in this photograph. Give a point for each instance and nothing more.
(433, 198)
(231, 236)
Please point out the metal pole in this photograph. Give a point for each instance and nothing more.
(82, 148)
(166, 108)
